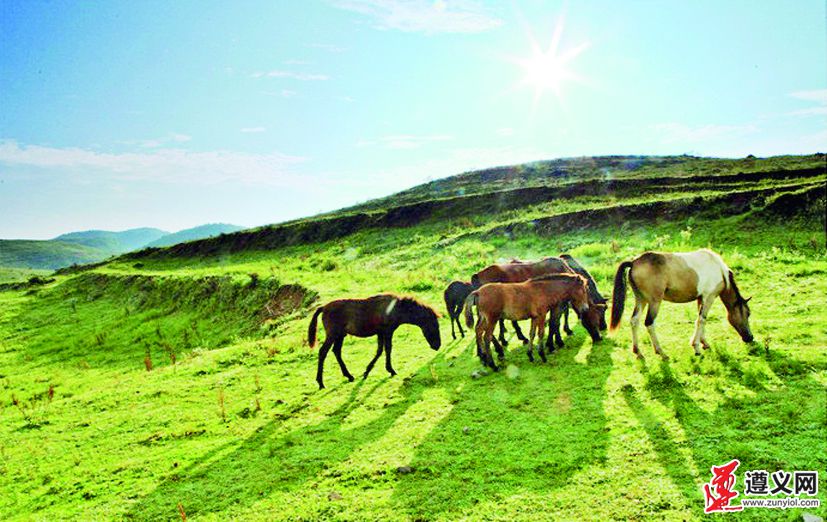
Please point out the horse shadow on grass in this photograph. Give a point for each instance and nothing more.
(530, 432)
(768, 427)
(510, 435)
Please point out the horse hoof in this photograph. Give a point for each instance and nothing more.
(321, 386)
(664, 357)
(350, 378)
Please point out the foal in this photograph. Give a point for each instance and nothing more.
(679, 278)
(528, 300)
(454, 296)
(379, 315)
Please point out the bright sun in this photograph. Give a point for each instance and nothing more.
(549, 69)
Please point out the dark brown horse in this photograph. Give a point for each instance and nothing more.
(528, 300)
(594, 293)
(454, 296)
(517, 272)
(379, 315)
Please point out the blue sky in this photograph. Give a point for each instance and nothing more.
(172, 114)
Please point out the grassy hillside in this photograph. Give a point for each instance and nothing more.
(191, 234)
(46, 255)
(179, 379)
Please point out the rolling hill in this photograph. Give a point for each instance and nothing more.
(93, 246)
(176, 382)
(192, 234)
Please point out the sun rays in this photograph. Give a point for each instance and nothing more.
(550, 69)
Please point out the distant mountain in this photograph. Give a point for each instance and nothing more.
(91, 246)
(191, 234)
(114, 242)
(50, 254)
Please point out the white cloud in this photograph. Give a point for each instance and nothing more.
(819, 97)
(253, 130)
(291, 75)
(165, 165)
(441, 16)
(404, 141)
(678, 132)
(505, 131)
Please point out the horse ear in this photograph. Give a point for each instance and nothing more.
(748, 299)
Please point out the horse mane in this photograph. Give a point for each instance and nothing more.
(558, 277)
(412, 302)
(738, 297)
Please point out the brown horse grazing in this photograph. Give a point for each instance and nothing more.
(528, 300)
(379, 315)
(679, 278)
(517, 272)
(454, 296)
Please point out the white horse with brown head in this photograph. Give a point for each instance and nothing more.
(679, 278)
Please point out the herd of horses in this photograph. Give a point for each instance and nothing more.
(542, 291)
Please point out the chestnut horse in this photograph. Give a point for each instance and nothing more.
(679, 278)
(516, 272)
(530, 299)
(379, 315)
(454, 296)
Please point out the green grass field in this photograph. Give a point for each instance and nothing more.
(180, 380)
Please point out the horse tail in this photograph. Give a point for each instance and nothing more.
(619, 294)
(311, 330)
(470, 301)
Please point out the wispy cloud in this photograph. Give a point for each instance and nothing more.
(440, 16)
(253, 130)
(292, 75)
(678, 132)
(284, 93)
(164, 165)
(404, 141)
(505, 131)
(819, 97)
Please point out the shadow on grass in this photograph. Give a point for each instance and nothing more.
(765, 427)
(508, 435)
(527, 433)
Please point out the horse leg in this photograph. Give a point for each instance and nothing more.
(635, 322)
(554, 336)
(498, 347)
(337, 351)
(328, 342)
(519, 332)
(651, 315)
(489, 334)
(566, 319)
(388, 346)
(453, 319)
(699, 338)
(541, 332)
(457, 316)
(531, 330)
(479, 330)
(502, 333)
(380, 341)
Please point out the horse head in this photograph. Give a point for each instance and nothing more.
(738, 317)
